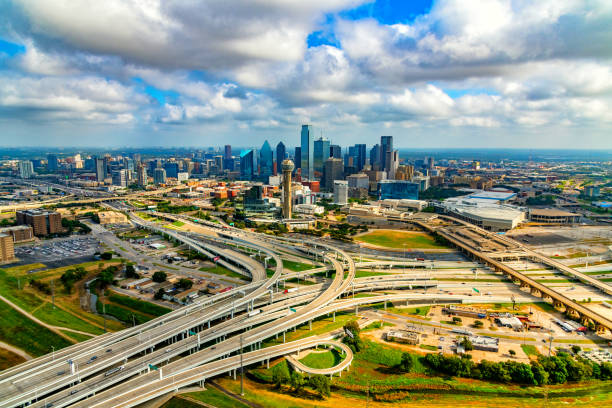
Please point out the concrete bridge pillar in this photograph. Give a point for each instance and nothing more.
(558, 305)
(283, 336)
(535, 292)
(334, 316)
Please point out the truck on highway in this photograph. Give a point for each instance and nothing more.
(114, 370)
(254, 312)
(291, 290)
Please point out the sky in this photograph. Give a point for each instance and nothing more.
(443, 74)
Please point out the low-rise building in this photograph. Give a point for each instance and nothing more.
(403, 336)
(552, 216)
(7, 251)
(112, 217)
(42, 222)
(309, 209)
(20, 233)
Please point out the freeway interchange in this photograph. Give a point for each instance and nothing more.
(209, 337)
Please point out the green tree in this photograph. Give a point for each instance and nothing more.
(160, 294)
(512, 352)
(321, 385)
(130, 272)
(159, 277)
(280, 375)
(352, 338)
(185, 283)
(478, 324)
(467, 344)
(106, 256)
(576, 349)
(406, 363)
(297, 381)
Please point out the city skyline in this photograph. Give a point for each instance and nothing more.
(432, 74)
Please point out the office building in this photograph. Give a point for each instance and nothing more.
(375, 157)
(159, 176)
(120, 178)
(333, 170)
(360, 156)
(42, 222)
(335, 151)
(287, 168)
(386, 148)
(281, 155)
(392, 163)
(247, 164)
(397, 189)
(552, 216)
(182, 176)
(19, 233)
(26, 169)
(52, 163)
(298, 157)
(7, 251)
(100, 170)
(307, 152)
(142, 175)
(359, 180)
(172, 169)
(405, 172)
(592, 191)
(340, 192)
(266, 160)
(228, 160)
(254, 199)
(321, 153)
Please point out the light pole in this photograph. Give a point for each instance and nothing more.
(241, 370)
(52, 353)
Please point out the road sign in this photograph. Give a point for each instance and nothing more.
(192, 333)
(153, 367)
(476, 290)
(292, 309)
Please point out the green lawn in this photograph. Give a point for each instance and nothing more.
(178, 223)
(529, 349)
(397, 239)
(327, 359)
(428, 347)
(598, 273)
(297, 266)
(21, 332)
(219, 270)
(138, 305)
(59, 317)
(360, 273)
(122, 314)
(216, 398)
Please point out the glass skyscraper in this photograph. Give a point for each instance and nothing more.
(266, 160)
(321, 153)
(307, 152)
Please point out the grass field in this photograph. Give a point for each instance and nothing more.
(327, 359)
(77, 336)
(120, 313)
(8, 359)
(178, 223)
(211, 396)
(21, 332)
(219, 270)
(319, 326)
(138, 305)
(59, 317)
(360, 273)
(297, 266)
(529, 349)
(397, 239)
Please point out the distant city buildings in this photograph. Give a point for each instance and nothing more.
(26, 169)
(159, 176)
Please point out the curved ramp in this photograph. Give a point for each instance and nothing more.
(344, 364)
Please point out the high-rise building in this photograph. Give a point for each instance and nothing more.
(392, 162)
(375, 157)
(120, 178)
(333, 170)
(287, 168)
(142, 175)
(298, 157)
(42, 222)
(321, 153)
(100, 170)
(7, 251)
(172, 169)
(335, 151)
(359, 180)
(360, 156)
(228, 160)
(159, 176)
(52, 163)
(26, 169)
(405, 172)
(266, 160)
(340, 192)
(307, 152)
(386, 148)
(281, 154)
(247, 164)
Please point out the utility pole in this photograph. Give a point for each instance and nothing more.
(53, 293)
(241, 370)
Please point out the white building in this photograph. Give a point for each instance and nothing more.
(182, 176)
(360, 180)
(340, 192)
(308, 209)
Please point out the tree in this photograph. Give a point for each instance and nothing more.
(107, 276)
(406, 363)
(130, 272)
(159, 294)
(467, 344)
(512, 352)
(320, 384)
(106, 256)
(280, 374)
(352, 338)
(478, 324)
(576, 349)
(297, 381)
(159, 277)
(457, 320)
(185, 283)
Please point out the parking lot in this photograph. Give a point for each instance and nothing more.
(57, 250)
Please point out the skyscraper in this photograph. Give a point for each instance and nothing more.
(335, 151)
(52, 163)
(334, 170)
(340, 192)
(228, 161)
(100, 170)
(298, 157)
(142, 175)
(172, 169)
(120, 178)
(375, 157)
(281, 154)
(321, 153)
(307, 152)
(159, 176)
(360, 156)
(266, 160)
(287, 168)
(246, 164)
(26, 169)
(386, 147)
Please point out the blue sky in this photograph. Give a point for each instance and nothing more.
(447, 73)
